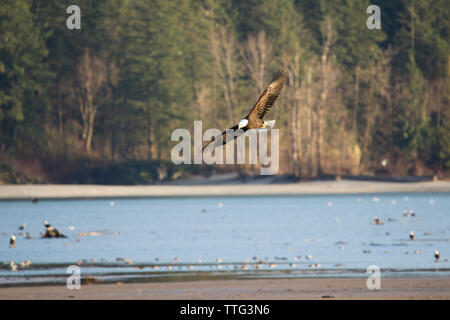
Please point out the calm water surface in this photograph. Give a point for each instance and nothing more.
(294, 236)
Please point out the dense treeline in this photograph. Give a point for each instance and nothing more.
(107, 97)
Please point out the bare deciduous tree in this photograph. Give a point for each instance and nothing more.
(329, 39)
(90, 92)
(223, 47)
(294, 94)
(256, 52)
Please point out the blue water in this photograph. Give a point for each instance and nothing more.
(337, 231)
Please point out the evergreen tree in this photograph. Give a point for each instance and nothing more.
(22, 70)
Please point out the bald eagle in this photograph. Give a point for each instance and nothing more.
(12, 242)
(255, 119)
(51, 232)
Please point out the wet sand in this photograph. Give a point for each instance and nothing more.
(259, 289)
(26, 192)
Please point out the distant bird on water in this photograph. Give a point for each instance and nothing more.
(411, 235)
(12, 242)
(405, 213)
(412, 213)
(22, 227)
(12, 266)
(377, 220)
(437, 255)
(255, 119)
(51, 232)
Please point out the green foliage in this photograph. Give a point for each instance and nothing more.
(22, 50)
(388, 90)
(411, 120)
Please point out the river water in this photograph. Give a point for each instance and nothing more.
(206, 237)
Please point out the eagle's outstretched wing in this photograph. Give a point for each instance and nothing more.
(222, 139)
(268, 97)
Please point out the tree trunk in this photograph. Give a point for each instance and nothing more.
(369, 121)
(309, 122)
(324, 95)
(320, 107)
(90, 130)
(356, 99)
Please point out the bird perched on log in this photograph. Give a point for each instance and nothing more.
(51, 232)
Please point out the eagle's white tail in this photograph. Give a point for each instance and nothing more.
(270, 123)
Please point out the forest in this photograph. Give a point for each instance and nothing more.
(98, 104)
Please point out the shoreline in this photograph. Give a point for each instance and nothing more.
(257, 289)
(28, 192)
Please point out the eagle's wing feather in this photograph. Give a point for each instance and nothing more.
(221, 140)
(268, 97)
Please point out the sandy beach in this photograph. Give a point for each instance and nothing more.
(259, 289)
(26, 192)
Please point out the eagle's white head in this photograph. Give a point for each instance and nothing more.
(243, 123)
(13, 237)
